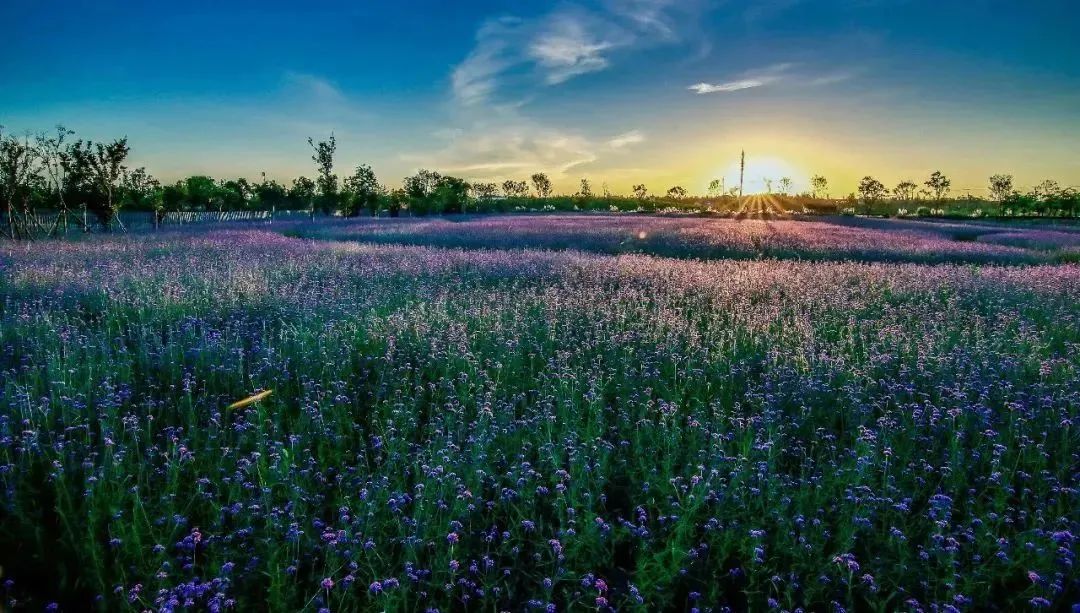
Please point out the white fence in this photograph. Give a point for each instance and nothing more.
(186, 217)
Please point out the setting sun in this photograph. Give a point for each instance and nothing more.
(760, 170)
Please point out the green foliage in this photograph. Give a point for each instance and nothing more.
(362, 191)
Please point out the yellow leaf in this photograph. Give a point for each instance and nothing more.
(250, 400)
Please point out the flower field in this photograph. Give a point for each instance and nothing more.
(787, 414)
(861, 239)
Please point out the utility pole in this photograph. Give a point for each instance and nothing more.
(742, 168)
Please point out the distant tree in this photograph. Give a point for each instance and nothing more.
(716, 188)
(396, 200)
(905, 190)
(818, 185)
(234, 195)
(484, 191)
(515, 189)
(938, 184)
(270, 194)
(52, 153)
(17, 180)
(451, 195)
(326, 181)
(1047, 190)
(102, 167)
(143, 192)
(201, 191)
(604, 189)
(362, 191)
(1001, 186)
(422, 184)
(785, 186)
(768, 184)
(302, 194)
(640, 191)
(542, 185)
(871, 191)
(586, 190)
(676, 193)
(173, 198)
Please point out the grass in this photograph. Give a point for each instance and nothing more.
(512, 429)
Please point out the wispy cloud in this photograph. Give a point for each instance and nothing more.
(565, 49)
(750, 79)
(730, 86)
(770, 75)
(563, 44)
(626, 139)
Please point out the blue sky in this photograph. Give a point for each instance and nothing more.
(619, 91)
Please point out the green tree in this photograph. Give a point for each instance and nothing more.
(640, 191)
(101, 167)
(1001, 187)
(302, 194)
(451, 195)
(270, 194)
(173, 197)
(420, 188)
(362, 191)
(326, 181)
(870, 192)
(143, 192)
(17, 180)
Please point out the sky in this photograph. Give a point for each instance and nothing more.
(659, 92)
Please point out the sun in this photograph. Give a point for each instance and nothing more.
(760, 170)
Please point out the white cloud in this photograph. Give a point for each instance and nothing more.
(514, 54)
(730, 86)
(566, 49)
(748, 80)
(474, 79)
(632, 137)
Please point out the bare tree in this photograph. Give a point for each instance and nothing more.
(818, 185)
(327, 181)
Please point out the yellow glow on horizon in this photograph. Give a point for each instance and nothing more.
(760, 169)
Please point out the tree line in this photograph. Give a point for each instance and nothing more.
(87, 183)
